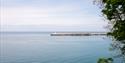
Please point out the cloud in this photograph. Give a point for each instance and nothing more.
(50, 13)
(60, 15)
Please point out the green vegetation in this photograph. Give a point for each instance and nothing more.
(114, 12)
(103, 60)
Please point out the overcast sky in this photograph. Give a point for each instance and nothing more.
(50, 15)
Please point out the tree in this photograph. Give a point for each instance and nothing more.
(114, 11)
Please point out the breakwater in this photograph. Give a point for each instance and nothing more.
(77, 33)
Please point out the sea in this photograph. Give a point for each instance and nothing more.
(34, 47)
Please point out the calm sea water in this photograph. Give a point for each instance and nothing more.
(43, 48)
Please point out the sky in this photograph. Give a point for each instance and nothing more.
(50, 15)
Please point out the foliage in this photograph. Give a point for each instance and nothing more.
(104, 60)
(114, 11)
